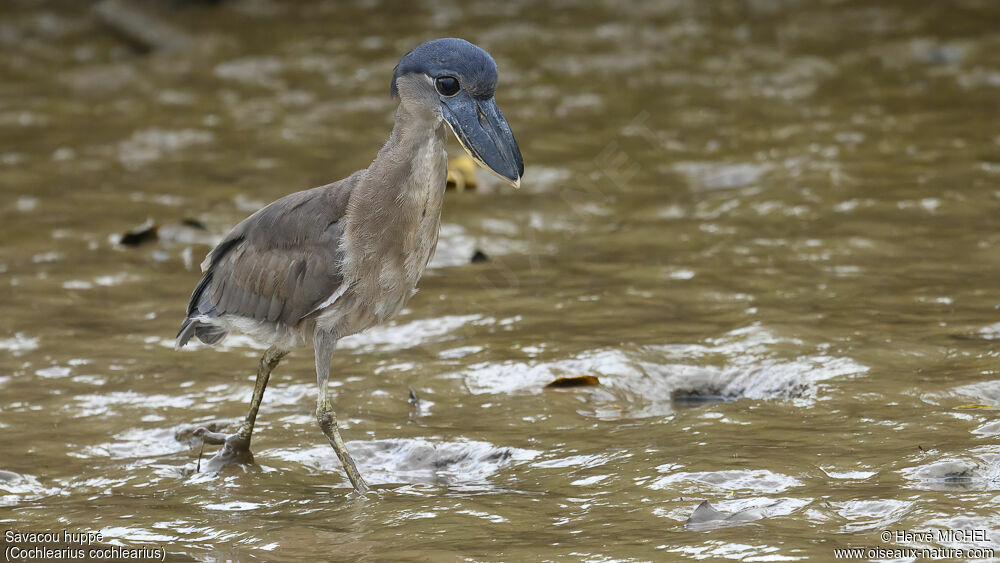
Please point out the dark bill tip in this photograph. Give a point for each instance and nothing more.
(484, 133)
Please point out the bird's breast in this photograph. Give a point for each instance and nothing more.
(420, 223)
(425, 196)
(394, 238)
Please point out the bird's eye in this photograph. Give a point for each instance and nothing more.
(447, 85)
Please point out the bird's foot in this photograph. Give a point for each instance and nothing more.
(193, 434)
(235, 449)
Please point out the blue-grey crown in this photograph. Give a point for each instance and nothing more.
(475, 69)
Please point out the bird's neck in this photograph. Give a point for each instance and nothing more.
(414, 157)
(394, 215)
(403, 189)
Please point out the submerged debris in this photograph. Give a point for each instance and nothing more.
(946, 472)
(707, 516)
(694, 398)
(414, 402)
(705, 512)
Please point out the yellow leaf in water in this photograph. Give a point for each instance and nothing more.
(978, 407)
(462, 173)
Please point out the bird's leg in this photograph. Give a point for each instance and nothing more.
(236, 447)
(327, 419)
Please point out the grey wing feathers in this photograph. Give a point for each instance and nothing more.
(275, 266)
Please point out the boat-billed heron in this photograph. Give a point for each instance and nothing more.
(321, 264)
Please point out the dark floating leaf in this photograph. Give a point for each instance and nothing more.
(142, 234)
(479, 256)
(193, 223)
(578, 381)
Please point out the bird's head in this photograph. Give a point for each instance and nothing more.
(456, 80)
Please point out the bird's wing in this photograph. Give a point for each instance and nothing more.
(280, 263)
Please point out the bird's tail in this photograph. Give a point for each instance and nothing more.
(207, 332)
(200, 315)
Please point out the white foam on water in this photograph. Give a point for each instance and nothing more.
(587, 481)
(149, 145)
(406, 335)
(575, 461)
(19, 344)
(716, 175)
(756, 480)
(53, 372)
(109, 403)
(415, 460)
(989, 429)
(17, 488)
(848, 475)
(234, 506)
(984, 392)
(991, 332)
(644, 382)
(460, 352)
(530, 376)
(978, 470)
(135, 443)
(871, 514)
(455, 247)
(736, 512)
(381, 338)
(140, 535)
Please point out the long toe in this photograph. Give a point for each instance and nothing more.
(206, 433)
(208, 436)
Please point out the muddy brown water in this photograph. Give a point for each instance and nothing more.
(770, 229)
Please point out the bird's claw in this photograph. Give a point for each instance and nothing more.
(235, 451)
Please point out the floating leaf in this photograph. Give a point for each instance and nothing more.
(142, 234)
(194, 224)
(978, 407)
(461, 173)
(578, 381)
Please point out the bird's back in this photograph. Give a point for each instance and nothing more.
(272, 271)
